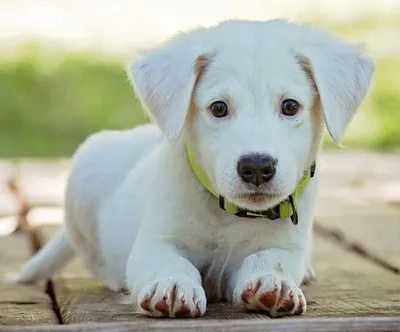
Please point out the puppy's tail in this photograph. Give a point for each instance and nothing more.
(48, 260)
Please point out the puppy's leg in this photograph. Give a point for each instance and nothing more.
(269, 281)
(163, 282)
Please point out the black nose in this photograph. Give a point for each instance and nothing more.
(256, 168)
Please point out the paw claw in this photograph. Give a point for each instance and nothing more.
(287, 306)
(169, 298)
(162, 306)
(246, 294)
(198, 311)
(145, 304)
(184, 311)
(274, 296)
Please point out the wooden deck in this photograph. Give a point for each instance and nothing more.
(356, 257)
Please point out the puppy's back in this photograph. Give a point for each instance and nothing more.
(105, 158)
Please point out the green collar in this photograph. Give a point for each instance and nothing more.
(286, 209)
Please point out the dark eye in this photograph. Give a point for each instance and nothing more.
(290, 107)
(219, 109)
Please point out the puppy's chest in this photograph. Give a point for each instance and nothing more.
(244, 236)
(214, 238)
(233, 241)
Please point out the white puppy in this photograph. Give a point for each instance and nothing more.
(204, 204)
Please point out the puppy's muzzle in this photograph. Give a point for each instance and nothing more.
(256, 168)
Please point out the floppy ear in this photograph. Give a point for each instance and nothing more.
(342, 75)
(164, 80)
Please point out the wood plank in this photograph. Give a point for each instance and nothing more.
(8, 204)
(357, 198)
(359, 178)
(347, 286)
(356, 324)
(43, 181)
(374, 228)
(20, 304)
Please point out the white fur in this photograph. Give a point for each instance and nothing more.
(139, 218)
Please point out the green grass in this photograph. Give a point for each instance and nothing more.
(51, 100)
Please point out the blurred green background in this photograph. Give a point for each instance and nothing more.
(51, 99)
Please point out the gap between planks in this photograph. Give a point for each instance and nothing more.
(339, 238)
(36, 243)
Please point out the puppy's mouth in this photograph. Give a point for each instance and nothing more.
(258, 197)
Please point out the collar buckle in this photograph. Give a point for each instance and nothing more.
(272, 213)
(295, 216)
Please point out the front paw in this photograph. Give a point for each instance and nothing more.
(272, 294)
(172, 297)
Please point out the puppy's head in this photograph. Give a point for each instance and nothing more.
(251, 99)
